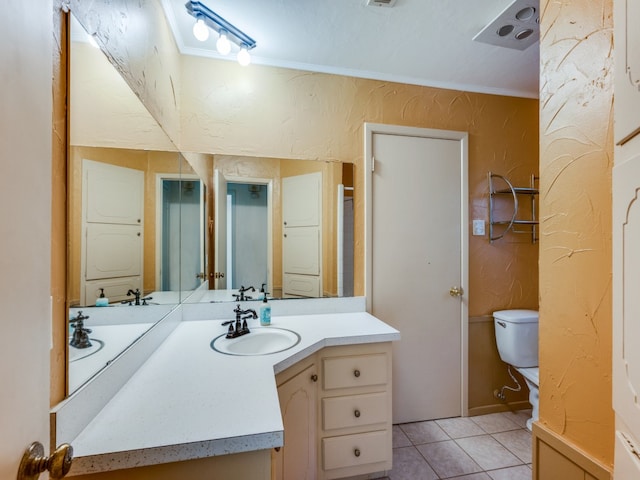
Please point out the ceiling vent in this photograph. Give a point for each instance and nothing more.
(381, 3)
(517, 27)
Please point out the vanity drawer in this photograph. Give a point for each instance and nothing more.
(354, 410)
(354, 450)
(355, 371)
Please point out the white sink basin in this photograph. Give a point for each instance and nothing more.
(80, 353)
(261, 341)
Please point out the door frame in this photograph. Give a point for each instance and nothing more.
(370, 129)
(269, 184)
(160, 178)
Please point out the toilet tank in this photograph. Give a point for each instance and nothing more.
(517, 337)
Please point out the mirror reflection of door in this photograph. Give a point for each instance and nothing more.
(302, 235)
(247, 235)
(192, 233)
(112, 216)
(243, 247)
(180, 225)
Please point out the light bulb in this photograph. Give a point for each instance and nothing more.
(244, 58)
(223, 45)
(200, 30)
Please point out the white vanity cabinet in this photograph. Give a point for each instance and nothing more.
(297, 391)
(355, 410)
(336, 411)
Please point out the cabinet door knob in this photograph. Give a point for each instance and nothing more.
(356, 413)
(356, 373)
(314, 378)
(277, 449)
(356, 452)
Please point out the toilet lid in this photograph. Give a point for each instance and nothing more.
(517, 316)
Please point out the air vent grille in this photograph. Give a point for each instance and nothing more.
(381, 3)
(517, 27)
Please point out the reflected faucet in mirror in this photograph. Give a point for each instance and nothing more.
(80, 337)
(136, 300)
(240, 296)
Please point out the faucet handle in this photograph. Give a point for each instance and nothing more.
(79, 318)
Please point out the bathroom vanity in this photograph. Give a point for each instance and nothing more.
(323, 405)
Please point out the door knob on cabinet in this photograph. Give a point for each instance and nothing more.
(314, 378)
(356, 373)
(356, 413)
(34, 462)
(456, 291)
(356, 452)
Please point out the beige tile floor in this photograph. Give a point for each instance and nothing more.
(487, 447)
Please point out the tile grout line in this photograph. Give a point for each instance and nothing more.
(448, 437)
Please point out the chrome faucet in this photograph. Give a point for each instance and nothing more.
(239, 327)
(80, 337)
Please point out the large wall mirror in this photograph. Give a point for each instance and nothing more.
(282, 225)
(141, 232)
(136, 211)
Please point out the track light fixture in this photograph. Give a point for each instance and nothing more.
(207, 19)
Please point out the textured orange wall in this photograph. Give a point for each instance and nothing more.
(59, 207)
(281, 113)
(576, 156)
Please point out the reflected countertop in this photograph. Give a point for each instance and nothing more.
(188, 401)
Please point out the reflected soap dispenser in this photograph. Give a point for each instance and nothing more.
(265, 311)
(102, 301)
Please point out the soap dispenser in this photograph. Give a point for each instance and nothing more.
(265, 311)
(102, 301)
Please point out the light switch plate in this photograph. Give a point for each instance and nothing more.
(478, 227)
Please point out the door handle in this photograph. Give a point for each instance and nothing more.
(34, 462)
(456, 291)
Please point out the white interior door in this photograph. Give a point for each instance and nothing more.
(302, 247)
(302, 235)
(220, 229)
(417, 241)
(25, 229)
(112, 244)
(113, 194)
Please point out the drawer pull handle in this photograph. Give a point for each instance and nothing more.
(356, 452)
(314, 378)
(277, 449)
(356, 373)
(357, 413)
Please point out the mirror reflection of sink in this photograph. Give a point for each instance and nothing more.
(80, 353)
(261, 341)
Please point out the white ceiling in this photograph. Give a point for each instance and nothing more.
(422, 42)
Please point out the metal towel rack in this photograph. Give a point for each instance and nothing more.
(499, 227)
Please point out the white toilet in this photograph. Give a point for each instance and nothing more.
(517, 339)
